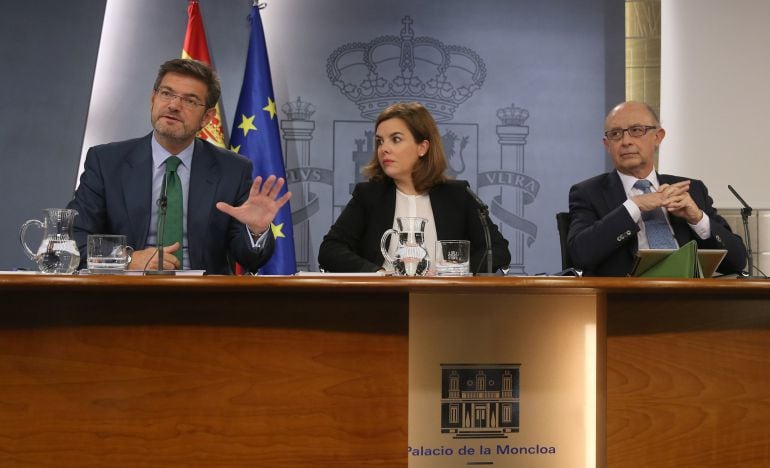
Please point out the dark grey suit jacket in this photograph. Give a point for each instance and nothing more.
(115, 197)
(602, 237)
(353, 242)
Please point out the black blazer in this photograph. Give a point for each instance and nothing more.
(353, 242)
(603, 237)
(115, 197)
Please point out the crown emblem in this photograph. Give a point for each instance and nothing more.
(512, 115)
(390, 69)
(298, 110)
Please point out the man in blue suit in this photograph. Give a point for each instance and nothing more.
(606, 227)
(225, 217)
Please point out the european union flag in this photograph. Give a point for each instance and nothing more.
(255, 135)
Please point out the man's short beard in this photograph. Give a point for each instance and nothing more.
(171, 136)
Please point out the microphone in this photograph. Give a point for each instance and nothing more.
(483, 211)
(740, 199)
(745, 213)
(162, 204)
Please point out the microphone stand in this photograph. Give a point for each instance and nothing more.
(483, 211)
(162, 206)
(745, 213)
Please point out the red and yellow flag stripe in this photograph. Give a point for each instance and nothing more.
(195, 47)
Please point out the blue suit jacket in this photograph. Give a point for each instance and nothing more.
(353, 242)
(602, 237)
(115, 197)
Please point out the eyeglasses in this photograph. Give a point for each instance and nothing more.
(635, 131)
(187, 102)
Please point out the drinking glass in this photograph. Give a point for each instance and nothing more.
(453, 257)
(108, 253)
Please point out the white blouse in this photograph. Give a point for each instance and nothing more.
(413, 206)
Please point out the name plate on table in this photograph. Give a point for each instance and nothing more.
(141, 272)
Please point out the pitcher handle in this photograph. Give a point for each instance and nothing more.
(23, 230)
(384, 248)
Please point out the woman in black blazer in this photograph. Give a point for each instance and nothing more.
(406, 176)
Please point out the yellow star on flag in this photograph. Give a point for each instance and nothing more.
(235, 149)
(247, 124)
(277, 230)
(270, 107)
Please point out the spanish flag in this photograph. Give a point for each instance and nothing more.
(195, 48)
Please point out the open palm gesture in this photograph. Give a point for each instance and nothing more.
(259, 210)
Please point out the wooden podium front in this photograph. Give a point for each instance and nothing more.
(312, 371)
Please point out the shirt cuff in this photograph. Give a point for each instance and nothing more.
(633, 210)
(260, 241)
(703, 227)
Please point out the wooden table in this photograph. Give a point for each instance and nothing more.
(311, 371)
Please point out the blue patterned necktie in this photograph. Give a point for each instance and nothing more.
(655, 225)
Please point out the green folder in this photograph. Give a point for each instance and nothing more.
(680, 263)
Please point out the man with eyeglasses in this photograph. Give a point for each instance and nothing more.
(220, 216)
(615, 214)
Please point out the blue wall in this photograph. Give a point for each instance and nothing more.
(558, 61)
